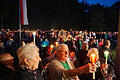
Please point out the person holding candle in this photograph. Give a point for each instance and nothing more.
(62, 69)
(108, 55)
(104, 71)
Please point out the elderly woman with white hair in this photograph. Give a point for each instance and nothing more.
(62, 69)
(28, 63)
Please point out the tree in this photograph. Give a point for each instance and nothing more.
(118, 51)
(97, 20)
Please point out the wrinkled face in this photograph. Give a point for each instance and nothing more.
(34, 62)
(63, 53)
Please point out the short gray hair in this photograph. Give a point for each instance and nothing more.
(61, 47)
(27, 51)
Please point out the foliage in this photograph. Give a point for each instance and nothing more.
(60, 13)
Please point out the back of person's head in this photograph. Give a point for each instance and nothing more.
(85, 46)
(93, 51)
(6, 59)
(107, 43)
(27, 51)
(72, 49)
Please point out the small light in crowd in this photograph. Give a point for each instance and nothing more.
(56, 43)
(106, 53)
(51, 46)
(34, 33)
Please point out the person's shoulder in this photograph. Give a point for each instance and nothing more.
(55, 61)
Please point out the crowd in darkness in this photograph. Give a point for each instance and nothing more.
(78, 42)
(10, 40)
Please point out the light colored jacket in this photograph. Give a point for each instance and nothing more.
(58, 72)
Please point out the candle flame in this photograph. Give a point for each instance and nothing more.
(93, 58)
(51, 46)
(106, 53)
(34, 33)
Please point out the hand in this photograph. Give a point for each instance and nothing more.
(104, 66)
(92, 68)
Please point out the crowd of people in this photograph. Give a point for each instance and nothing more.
(56, 55)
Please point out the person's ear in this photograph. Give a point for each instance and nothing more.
(26, 61)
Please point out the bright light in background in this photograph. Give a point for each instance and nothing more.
(101, 2)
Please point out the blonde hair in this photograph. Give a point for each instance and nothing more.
(93, 51)
(27, 51)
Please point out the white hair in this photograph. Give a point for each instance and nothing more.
(61, 47)
(27, 51)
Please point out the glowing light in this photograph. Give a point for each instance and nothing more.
(51, 46)
(93, 58)
(34, 33)
(56, 43)
(106, 53)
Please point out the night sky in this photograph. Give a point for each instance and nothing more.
(102, 2)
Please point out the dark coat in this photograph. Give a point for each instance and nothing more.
(24, 74)
(110, 57)
(5, 72)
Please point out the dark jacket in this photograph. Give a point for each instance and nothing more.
(81, 58)
(99, 74)
(5, 72)
(110, 57)
(24, 74)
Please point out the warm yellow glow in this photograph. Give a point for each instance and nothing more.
(93, 58)
(34, 33)
(51, 46)
(56, 43)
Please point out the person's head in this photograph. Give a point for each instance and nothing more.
(6, 59)
(94, 41)
(85, 46)
(107, 43)
(28, 56)
(62, 52)
(93, 51)
(72, 52)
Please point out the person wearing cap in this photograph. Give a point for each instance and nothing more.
(62, 69)
(29, 59)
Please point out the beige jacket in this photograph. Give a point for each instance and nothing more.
(57, 71)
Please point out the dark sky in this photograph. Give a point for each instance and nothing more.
(102, 2)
